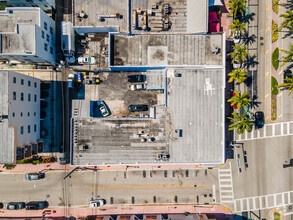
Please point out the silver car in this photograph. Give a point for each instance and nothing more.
(15, 205)
(34, 176)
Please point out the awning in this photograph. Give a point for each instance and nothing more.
(215, 3)
(213, 17)
(214, 27)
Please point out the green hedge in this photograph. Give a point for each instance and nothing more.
(275, 58)
(274, 84)
(275, 33)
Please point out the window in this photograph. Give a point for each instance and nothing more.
(35, 113)
(13, 114)
(51, 50)
(47, 37)
(14, 79)
(45, 47)
(43, 34)
(35, 128)
(14, 95)
(35, 85)
(51, 30)
(21, 96)
(21, 114)
(29, 83)
(21, 130)
(21, 81)
(35, 98)
(29, 97)
(28, 129)
(28, 114)
(45, 25)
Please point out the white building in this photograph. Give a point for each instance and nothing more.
(46, 5)
(27, 35)
(20, 113)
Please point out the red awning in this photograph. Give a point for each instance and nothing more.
(214, 27)
(213, 17)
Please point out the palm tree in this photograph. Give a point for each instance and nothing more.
(239, 75)
(239, 53)
(241, 123)
(237, 26)
(236, 6)
(289, 56)
(288, 84)
(240, 100)
(288, 20)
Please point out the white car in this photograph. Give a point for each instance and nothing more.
(86, 60)
(237, 37)
(138, 87)
(96, 203)
(103, 109)
(237, 65)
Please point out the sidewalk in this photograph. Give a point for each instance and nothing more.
(217, 210)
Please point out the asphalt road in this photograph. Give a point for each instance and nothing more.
(116, 187)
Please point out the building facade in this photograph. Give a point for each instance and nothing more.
(46, 5)
(20, 110)
(27, 36)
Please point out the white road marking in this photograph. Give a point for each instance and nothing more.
(226, 185)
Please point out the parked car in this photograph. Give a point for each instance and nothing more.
(138, 108)
(45, 85)
(96, 80)
(1, 205)
(79, 77)
(15, 205)
(36, 205)
(44, 94)
(236, 37)
(287, 74)
(34, 176)
(237, 65)
(138, 87)
(166, 8)
(103, 108)
(137, 78)
(97, 203)
(44, 104)
(62, 158)
(259, 119)
(86, 60)
(71, 79)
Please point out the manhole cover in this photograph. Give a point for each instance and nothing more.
(261, 38)
(205, 195)
(261, 44)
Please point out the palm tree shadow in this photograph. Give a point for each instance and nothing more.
(247, 39)
(288, 5)
(254, 104)
(251, 61)
(248, 18)
(287, 33)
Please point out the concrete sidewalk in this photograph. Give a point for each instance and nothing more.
(217, 210)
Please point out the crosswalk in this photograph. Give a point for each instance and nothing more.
(284, 200)
(268, 131)
(226, 185)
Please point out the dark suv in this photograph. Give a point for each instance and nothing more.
(36, 205)
(138, 108)
(136, 78)
(259, 119)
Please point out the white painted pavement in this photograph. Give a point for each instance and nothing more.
(279, 129)
(284, 200)
(226, 185)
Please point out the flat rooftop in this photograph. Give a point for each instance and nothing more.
(166, 50)
(190, 128)
(102, 8)
(182, 17)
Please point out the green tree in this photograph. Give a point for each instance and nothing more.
(240, 100)
(236, 6)
(238, 75)
(239, 53)
(240, 124)
(288, 84)
(288, 20)
(289, 56)
(237, 26)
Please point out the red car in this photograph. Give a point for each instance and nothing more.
(234, 106)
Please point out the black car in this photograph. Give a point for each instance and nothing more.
(44, 94)
(138, 108)
(43, 104)
(259, 119)
(36, 205)
(1, 205)
(137, 78)
(45, 85)
(287, 74)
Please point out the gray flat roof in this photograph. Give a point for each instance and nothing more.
(166, 50)
(195, 103)
(95, 8)
(6, 134)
